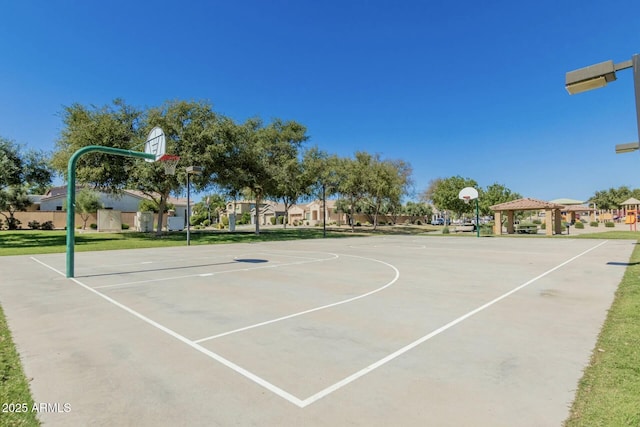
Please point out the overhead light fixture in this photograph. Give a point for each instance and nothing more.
(627, 148)
(591, 77)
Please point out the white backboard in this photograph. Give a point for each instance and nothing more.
(470, 192)
(155, 144)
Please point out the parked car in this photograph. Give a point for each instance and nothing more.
(440, 221)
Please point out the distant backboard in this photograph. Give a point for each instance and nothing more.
(156, 143)
(468, 193)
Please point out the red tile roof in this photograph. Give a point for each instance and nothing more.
(524, 205)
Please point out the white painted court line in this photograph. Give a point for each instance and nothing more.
(234, 270)
(290, 316)
(345, 381)
(394, 355)
(258, 380)
(103, 266)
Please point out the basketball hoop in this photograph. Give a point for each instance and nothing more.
(169, 162)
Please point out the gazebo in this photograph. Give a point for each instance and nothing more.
(553, 218)
(630, 204)
(572, 210)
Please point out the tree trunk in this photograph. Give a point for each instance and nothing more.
(286, 217)
(257, 214)
(352, 215)
(161, 207)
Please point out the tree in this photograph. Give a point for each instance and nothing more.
(87, 202)
(190, 133)
(352, 181)
(21, 171)
(10, 163)
(12, 200)
(254, 156)
(212, 204)
(30, 168)
(116, 126)
(611, 198)
(387, 183)
(445, 194)
(417, 210)
(495, 194)
(427, 195)
(320, 175)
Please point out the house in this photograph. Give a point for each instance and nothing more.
(301, 214)
(127, 201)
(314, 213)
(268, 210)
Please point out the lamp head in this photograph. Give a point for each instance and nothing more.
(591, 77)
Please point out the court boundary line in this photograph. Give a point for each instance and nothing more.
(302, 403)
(291, 316)
(164, 279)
(229, 364)
(362, 372)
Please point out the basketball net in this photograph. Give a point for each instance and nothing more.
(466, 199)
(169, 162)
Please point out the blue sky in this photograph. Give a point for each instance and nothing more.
(455, 88)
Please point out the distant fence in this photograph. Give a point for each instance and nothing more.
(59, 219)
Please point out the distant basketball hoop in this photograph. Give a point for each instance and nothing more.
(467, 194)
(169, 162)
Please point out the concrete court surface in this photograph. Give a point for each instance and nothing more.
(370, 331)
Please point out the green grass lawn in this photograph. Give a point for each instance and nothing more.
(609, 391)
(14, 387)
(27, 242)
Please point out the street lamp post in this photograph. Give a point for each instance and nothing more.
(191, 170)
(597, 76)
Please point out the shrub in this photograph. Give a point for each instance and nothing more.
(47, 225)
(418, 222)
(593, 223)
(225, 221)
(93, 226)
(579, 224)
(609, 224)
(220, 226)
(445, 230)
(13, 223)
(245, 218)
(358, 224)
(486, 229)
(537, 222)
(125, 226)
(34, 225)
(206, 222)
(272, 220)
(543, 226)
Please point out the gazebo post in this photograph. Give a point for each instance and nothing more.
(497, 226)
(548, 222)
(510, 228)
(558, 221)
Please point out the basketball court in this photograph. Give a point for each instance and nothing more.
(399, 330)
(357, 331)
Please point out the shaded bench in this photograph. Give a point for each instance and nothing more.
(526, 229)
(465, 227)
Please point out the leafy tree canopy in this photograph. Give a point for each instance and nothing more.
(445, 194)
